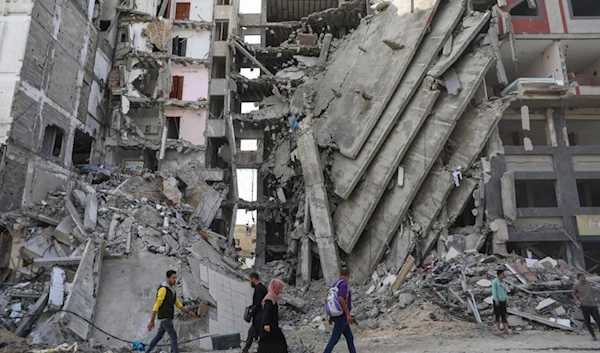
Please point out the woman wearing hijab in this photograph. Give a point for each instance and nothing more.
(271, 336)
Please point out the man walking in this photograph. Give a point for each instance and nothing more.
(500, 295)
(166, 300)
(260, 291)
(341, 324)
(583, 295)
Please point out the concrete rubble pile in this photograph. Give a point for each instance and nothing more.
(68, 238)
(456, 287)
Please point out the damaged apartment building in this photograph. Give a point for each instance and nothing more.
(475, 126)
(317, 132)
(55, 65)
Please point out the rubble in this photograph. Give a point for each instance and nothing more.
(65, 261)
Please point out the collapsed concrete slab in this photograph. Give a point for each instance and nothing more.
(352, 215)
(455, 204)
(319, 204)
(471, 134)
(356, 99)
(142, 273)
(63, 230)
(346, 172)
(471, 25)
(82, 298)
(418, 161)
(206, 200)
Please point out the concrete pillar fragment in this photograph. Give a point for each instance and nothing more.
(320, 213)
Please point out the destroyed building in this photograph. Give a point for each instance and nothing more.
(297, 136)
(480, 128)
(55, 65)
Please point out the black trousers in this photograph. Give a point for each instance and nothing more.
(500, 311)
(593, 312)
(252, 335)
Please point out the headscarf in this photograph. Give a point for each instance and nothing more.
(275, 288)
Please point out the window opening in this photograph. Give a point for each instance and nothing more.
(53, 141)
(173, 126)
(536, 193)
(82, 148)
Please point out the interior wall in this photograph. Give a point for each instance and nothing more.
(548, 64)
(198, 42)
(192, 126)
(195, 82)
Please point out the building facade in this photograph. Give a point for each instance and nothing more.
(55, 63)
(545, 173)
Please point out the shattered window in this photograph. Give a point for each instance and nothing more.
(585, 8)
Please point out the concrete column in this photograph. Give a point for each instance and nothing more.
(568, 196)
(261, 225)
(305, 259)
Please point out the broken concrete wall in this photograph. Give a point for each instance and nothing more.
(82, 299)
(53, 90)
(142, 273)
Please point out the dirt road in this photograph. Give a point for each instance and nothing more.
(481, 340)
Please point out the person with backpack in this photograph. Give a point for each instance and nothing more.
(166, 300)
(338, 308)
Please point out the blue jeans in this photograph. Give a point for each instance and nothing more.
(341, 327)
(165, 326)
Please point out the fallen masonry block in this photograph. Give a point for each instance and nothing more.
(82, 235)
(148, 215)
(80, 197)
(136, 188)
(42, 218)
(38, 247)
(538, 319)
(353, 69)
(63, 230)
(206, 200)
(295, 302)
(171, 190)
(57, 288)
(417, 163)
(58, 261)
(346, 172)
(90, 217)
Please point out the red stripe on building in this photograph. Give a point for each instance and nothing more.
(563, 16)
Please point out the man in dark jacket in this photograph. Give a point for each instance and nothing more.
(166, 301)
(260, 291)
